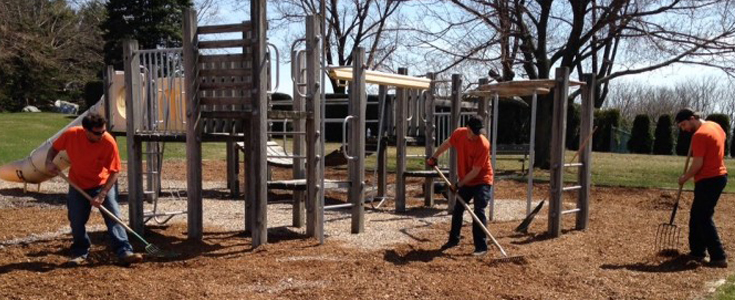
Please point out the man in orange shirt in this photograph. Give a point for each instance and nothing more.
(710, 178)
(475, 179)
(95, 165)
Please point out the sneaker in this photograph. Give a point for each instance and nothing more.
(130, 258)
(479, 253)
(449, 244)
(720, 263)
(77, 261)
(696, 258)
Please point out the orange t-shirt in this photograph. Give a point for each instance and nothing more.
(472, 154)
(708, 142)
(91, 163)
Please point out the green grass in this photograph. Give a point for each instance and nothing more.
(726, 291)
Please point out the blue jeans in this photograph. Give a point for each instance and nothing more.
(702, 231)
(481, 195)
(78, 212)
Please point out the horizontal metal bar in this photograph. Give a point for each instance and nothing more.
(286, 132)
(337, 206)
(571, 211)
(574, 165)
(415, 155)
(571, 188)
(150, 214)
(286, 156)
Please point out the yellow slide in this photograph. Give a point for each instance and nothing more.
(32, 169)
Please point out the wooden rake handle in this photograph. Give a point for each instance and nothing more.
(681, 186)
(474, 217)
(102, 208)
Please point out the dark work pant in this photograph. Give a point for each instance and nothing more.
(481, 195)
(702, 231)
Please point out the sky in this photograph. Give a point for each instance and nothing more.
(667, 76)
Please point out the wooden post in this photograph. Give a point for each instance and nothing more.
(429, 139)
(249, 211)
(585, 171)
(401, 123)
(455, 121)
(135, 153)
(259, 122)
(314, 171)
(195, 225)
(231, 166)
(558, 136)
(356, 148)
(299, 143)
(382, 143)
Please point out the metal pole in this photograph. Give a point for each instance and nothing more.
(494, 147)
(531, 153)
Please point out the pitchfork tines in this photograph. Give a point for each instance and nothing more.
(668, 239)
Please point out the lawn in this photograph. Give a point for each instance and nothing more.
(20, 133)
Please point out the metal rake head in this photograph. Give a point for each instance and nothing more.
(668, 237)
(154, 251)
(521, 260)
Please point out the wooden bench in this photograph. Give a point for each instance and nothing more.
(514, 149)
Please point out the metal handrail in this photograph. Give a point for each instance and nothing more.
(344, 138)
(278, 66)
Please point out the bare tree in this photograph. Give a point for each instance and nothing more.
(610, 38)
(350, 24)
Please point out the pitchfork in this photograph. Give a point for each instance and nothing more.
(668, 234)
(151, 249)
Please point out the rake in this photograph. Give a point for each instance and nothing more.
(668, 235)
(505, 258)
(151, 249)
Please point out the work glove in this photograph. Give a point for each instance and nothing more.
(431, 162)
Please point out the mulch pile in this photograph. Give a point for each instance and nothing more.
(613, 259)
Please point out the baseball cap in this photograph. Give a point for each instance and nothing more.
(684, 114)
(475, 123)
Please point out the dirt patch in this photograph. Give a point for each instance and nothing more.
(613, 258)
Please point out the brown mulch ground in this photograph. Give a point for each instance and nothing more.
(613, 259)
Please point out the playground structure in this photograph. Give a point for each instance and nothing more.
(194, 96)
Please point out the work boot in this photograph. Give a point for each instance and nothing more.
(479, 253)
(719, 263)
(130, 258)
(76, 261)
(695, 258)
(449, 244)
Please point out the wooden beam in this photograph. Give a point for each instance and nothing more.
(259, 122)
(401, 124)
(195, 225)
(356, 148)
(585, 172)
(454, 124)
(224, 44)
(225, 28)
(430, 138)
(558, 137)
(135, 153)
(381, 78)
(314, 171)
(223, 58)
(298, 63)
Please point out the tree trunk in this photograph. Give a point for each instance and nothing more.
(543, 131)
